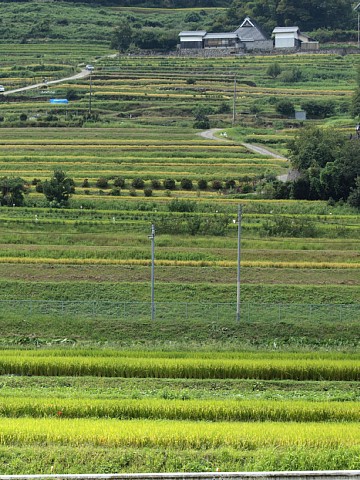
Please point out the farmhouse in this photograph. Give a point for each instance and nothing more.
(248, 36)
(291, 37)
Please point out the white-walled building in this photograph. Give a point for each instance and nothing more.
(291, 37)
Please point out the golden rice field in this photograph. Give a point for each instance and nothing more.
(233, 426)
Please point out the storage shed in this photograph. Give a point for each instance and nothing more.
(291, 37)
(286, 37)
(192, 39)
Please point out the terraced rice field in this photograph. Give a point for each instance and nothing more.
(178, 420)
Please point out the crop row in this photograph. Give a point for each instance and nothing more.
(214, 411)
(183, 368)
(179, 434)
(180, 263)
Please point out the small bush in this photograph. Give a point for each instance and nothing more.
(285, 107)
(148, 192)
(115, 192)
(230, 184)
(156, 184)
(119, 182)
(202, 123)
(291, 76)
(247, 188)
(186, 184)
(217, 185)
(169, 184)
(138, 183)
(289, 227)
(202, 184)
(85, 183)
(102, 182)
(273, 70)
(39, 188)
(177, 205)
(224, 107)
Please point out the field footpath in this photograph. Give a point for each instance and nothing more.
(287, 177)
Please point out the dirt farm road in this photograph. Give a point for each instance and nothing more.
(84, 73)
(211, 135)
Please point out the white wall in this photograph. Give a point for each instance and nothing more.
(284, 40)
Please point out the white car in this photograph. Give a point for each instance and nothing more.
(2, 88)
(89, 67)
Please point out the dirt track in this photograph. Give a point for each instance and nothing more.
(211, 135)
(84, 73)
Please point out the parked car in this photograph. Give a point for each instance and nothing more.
(2, 88)
(89, 67)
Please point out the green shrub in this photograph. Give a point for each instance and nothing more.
(186, 184)
(169, 184)
(202, 184)
(285, 107)
(156, 184)
(230, 184)
(138, 183)
(177, 205)
(273, 70)
(119, 182)
(289, 227)
(102, 182)
(39, 187)
(115, 192)
(217, 185)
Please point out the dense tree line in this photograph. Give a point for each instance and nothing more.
(329, 164)
(306, 14)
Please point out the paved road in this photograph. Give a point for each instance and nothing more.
(291, 175)
(84, 73)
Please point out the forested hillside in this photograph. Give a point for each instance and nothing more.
(146, 3)
(309, 15)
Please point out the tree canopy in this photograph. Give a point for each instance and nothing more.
(329, 163)
(58, 189)
(122, 36)
(308, 15)
(12, 191)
